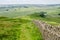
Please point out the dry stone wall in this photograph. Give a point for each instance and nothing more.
(48, 32)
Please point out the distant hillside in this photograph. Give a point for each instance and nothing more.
(27, 5)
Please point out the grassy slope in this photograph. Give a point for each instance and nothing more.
(24, 29)
(51, 18)
(18, 29)
(17, 12)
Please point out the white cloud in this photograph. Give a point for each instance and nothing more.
(29, 1)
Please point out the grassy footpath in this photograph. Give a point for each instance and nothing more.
(30, 32)
(18, 29)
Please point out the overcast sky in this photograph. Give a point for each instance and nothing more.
(29, 1)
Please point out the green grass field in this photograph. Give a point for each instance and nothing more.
(16, 24)
(18, 29)
(17, 12)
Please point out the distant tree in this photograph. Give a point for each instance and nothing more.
(6, 9)
(59, 14)
(15, 9)
(25, 6)
(43, 14)
(58, 7)
(2, 17)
